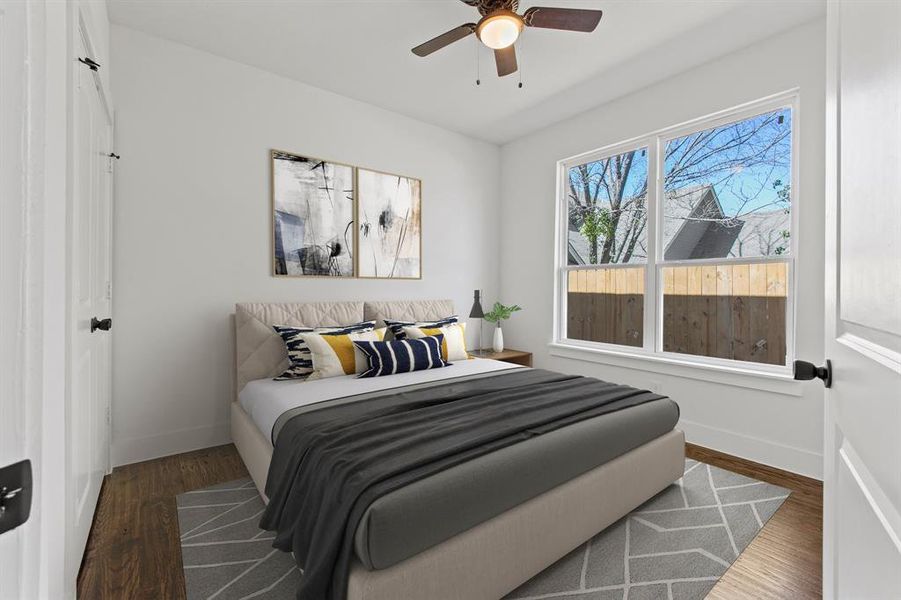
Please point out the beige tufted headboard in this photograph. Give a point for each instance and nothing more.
(406, 310)
(260, 352)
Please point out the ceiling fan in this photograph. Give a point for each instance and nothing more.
(500, 26)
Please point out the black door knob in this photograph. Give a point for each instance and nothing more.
(103, 324)
(804, 371)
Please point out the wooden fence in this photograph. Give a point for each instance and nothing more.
(725, 311)
(606, 305)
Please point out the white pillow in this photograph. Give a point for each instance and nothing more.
(336, 355)
(453, 347)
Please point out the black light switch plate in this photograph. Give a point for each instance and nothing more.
(15, 495)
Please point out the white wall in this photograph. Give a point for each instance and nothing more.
(192, 231)
(192, 225)
(782, 425)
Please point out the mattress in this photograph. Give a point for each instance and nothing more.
(407, 521)
(265, 400)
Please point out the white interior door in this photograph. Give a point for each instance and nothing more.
(13, 442)
(90, 298)
(862, 504)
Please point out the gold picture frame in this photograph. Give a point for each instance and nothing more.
(328, 250)
(393, 241)
(389, 231)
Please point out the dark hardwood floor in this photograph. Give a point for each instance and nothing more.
(785, 559)
(133, 549)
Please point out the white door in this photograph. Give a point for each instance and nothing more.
(862, 479)
(13, 430)
(90, 293)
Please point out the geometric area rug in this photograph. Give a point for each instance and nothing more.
(675, 546)
(224, 553)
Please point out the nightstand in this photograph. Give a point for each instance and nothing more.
(517, 357)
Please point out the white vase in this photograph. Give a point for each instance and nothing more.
(498, 345)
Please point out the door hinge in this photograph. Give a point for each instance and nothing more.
(101, 324)
(109, 415)
(90, 63)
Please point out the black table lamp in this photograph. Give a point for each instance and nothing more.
(476, 312)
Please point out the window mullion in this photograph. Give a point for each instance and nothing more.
(561, 275)
(650, 290)
(659, 172)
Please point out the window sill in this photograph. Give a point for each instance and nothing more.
(739, 376)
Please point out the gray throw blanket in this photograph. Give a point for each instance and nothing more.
(330, 464)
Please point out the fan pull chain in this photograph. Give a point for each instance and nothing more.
(478, 65)
(521, 62)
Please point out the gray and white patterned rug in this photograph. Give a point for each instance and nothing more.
(674, 547)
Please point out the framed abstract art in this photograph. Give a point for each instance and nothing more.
(390, 231)
(334, 220)
(313, 217)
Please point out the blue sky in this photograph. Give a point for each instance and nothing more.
(742, 174)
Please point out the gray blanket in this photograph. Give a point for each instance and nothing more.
(330, 464)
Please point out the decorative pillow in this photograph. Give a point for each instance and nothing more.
(453, 346)
(335, 355)
(299, 354)
(396, 328)
(401, 356)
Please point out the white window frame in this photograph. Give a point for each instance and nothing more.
(652, 346)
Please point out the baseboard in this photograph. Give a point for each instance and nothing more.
(787, 458)
(127, 451)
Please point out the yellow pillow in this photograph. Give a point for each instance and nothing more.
(336, 355)
(453, 346)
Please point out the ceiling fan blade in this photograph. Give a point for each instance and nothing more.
(568, 19)
(506, 61)
(445, 39)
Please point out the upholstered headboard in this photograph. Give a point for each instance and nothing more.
(406, 310)
(260, 352)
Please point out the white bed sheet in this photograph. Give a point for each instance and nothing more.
(265, 399)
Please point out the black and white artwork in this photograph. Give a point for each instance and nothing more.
(390, 232)
(313, 202)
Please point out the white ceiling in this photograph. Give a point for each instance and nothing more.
(361, 49)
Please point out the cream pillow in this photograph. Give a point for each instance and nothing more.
(336, 355)
(453, 347)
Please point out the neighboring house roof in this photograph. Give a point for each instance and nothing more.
(690, 220)
(695, 226)
(762, 233)
(695, 201)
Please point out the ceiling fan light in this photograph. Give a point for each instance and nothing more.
(500, 30)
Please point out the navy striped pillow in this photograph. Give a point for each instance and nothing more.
(401, 356)
(299, 354)
(396, 328)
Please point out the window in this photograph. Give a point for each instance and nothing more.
(607, 225)
(697, 262)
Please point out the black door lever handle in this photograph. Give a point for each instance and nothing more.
(103, 324)
(804, 371)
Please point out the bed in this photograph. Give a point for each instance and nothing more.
(452, 535)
